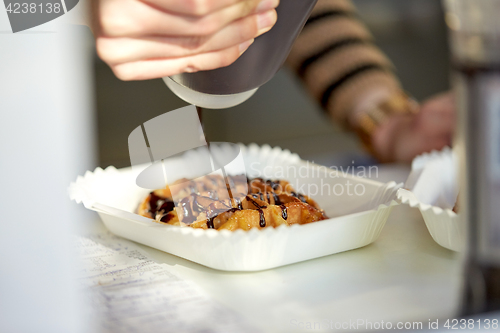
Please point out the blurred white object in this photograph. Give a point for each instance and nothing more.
(46, 113)
(432, 187)
(434, 178)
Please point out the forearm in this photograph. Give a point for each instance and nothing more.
(339, 64)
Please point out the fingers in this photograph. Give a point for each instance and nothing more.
(145, 39)
(120, 50)
(443, 104)
(191, 7)
(436, 118)
(204, 7)
(407, 149)
(131, 18)
(435, 122)
(149, 69)
(433, 132)
(428, 144)
(402, 138)
(407, 143)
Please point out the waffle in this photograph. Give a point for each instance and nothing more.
(230, 203)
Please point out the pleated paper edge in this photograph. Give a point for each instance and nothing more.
(436, 219)
(77, 193)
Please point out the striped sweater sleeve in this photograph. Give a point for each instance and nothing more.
(336, 59)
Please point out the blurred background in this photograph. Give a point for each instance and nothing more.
(411, 32)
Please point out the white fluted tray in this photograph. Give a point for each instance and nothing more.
(432, 187)
(356, 220)
(444, 225)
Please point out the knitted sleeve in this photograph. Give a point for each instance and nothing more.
(336, 59)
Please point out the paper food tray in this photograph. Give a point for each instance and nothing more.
(444, 225)
(432, 188)
(357, 220)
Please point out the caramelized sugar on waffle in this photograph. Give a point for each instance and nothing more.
(214, 202)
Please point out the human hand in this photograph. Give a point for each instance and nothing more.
(402, 137)
(146, 39)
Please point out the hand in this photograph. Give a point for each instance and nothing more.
(402, 138)
(146, 39)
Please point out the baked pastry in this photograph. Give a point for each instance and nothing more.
(215, 202)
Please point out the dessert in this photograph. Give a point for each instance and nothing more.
(230, 203)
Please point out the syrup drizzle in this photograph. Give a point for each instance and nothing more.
(159, 206)
(162, 207)
(238, 203)
(274, 185)
(187, 212)
(262, 219)
(299, 196)
(196, 205)
(277, 200)
(284, 212)
(210, 223)
(213, 213)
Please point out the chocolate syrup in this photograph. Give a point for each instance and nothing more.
(196, 205)
(254, 202)
(262, 221)
(153, 202)
(284, 213)
(157, 204)
(210, 223)
(167, 206)
(187, 212)
(212, 212)
(277, 200)
(299, 196)
(238, 202)
(274, 184)
(211, 194)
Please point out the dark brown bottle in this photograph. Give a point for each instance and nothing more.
(232, 85)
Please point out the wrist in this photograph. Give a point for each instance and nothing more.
(378, 125)
(367, 101)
